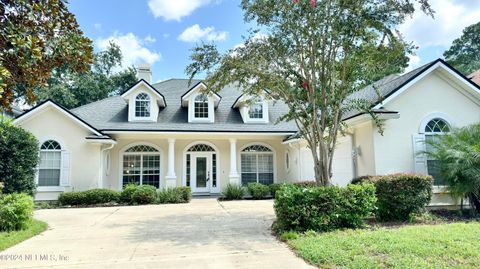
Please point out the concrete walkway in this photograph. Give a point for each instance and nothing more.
(202, 234)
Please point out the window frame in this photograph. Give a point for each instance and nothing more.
(60, 187)
(148, 101)
(248, 106)
(271, 153)
(123, 153)
(206, 102)
(428, 134)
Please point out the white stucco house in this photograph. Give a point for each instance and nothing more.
(171, 134)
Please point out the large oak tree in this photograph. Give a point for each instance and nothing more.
(312, 54)
(464, 54)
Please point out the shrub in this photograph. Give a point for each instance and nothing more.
(361, 179)
(306, 184)
(323, 208)
(274, 187)
(144, 194)
(127, 192)
(90, 197)
(19, 158)
(174, 195)
(233, 192)
(400, 196)
(15, 211)
(258, 190)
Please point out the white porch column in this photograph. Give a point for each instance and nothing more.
(171, 178)
(233, 176)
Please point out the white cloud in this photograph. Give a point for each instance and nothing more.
(175, 9)
(133, 48)
(451, 17)
(195, 33)
(413, 62)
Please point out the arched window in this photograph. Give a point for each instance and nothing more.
(142, 106)
(141, 165)
(50, 164)
(433, 129)
(201, 107)
(256, 164)
(255, 110)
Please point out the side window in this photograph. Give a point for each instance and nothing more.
(200, 107)
(50, 164)
(433, 130)
(142, 106)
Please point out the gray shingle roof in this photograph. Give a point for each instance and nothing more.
(111, 114)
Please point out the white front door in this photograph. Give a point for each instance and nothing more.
(201, 171)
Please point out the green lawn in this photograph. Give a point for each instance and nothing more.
(8, 239)
(422, 246)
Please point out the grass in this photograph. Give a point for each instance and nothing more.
(8, 239)
(418, 246)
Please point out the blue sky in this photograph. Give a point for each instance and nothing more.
(162, 32)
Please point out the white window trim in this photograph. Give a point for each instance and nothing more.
(240, 152)
(191, 109)
(423, 125)
(264, 118)
(134, 103)
(218, 156)
(58, 188)
(123, 152)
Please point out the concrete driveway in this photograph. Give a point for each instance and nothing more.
(202, 234)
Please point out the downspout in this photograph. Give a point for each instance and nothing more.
(102, 151)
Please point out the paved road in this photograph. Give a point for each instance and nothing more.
(202, 234)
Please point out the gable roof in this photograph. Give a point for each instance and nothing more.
(61, 109)
(184, 97)
(174, 118)
(384, 90)
(145, 83)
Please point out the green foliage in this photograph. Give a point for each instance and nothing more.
(416, 246)
(233, 192)
(464, 54)
(72, 89)
(400, 196)
(89, 197)
(274, 187)
(306, 184)
(361, 179)
(175, 195)
(8, 239)
(287, 236)
(458, 155)
(144, 194)
(37, 37)
(16, 211)
(19, 158)
(313, 58)
(323, 208)
(258, 190)
(127, 192)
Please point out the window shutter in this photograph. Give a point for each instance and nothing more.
(419, 157)
(65, 173)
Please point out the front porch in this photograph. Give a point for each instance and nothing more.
(204, 162)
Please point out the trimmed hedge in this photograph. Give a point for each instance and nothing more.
(307, 184)
(274, 187)
(402, 195)
(90, 197)
(144, 194)
(16, 211)
(323, 208)
(258, 190)
(233, 192)
(175, 195)
(127, 192)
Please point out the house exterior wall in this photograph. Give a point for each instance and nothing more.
(363, 140)
(84, 171)
(182, 143)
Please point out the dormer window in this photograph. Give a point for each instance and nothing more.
(201, 107)
(201, 103)
(142, 106)
(255, 110)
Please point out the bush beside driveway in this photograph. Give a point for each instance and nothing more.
(203, 234)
